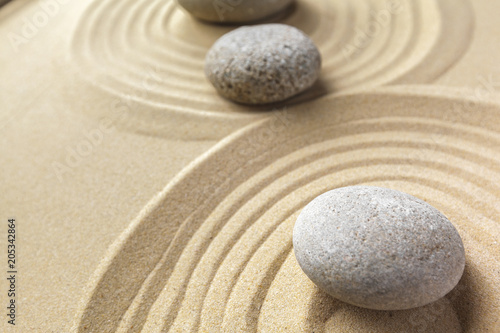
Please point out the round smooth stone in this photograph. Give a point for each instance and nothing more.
(378, 248)
(263, 63)
(233, 11)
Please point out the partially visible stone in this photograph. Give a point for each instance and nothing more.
(263, 64)
(378, 248)
(233, 11)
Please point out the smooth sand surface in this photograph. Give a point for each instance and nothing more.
(146, 202)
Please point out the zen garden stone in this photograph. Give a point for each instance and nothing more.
(263, 64)
(378, 248)
(233, 11)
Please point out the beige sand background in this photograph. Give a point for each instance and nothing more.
(146, 202)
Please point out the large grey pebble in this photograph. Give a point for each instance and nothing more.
(233, 11)
(378, 248)
(263, 63)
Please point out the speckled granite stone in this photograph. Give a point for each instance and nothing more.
(263, 64)
(378, 248)
(233, 11)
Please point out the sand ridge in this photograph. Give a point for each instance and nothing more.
(152, 53)
(219, 267)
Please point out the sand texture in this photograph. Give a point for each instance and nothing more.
(148, 203)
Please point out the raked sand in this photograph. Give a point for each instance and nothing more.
(146, 202)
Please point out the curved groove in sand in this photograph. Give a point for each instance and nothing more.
(152, 53)
(214, 266)
(227, 285)
(247, 297)
(245, 221)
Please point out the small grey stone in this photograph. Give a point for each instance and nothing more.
(378, 248)
(263, 63)
(233, 11)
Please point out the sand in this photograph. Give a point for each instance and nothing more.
(145, 202)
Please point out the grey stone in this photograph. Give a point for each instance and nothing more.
(233, 11)
(378, 248)
(263, 63)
